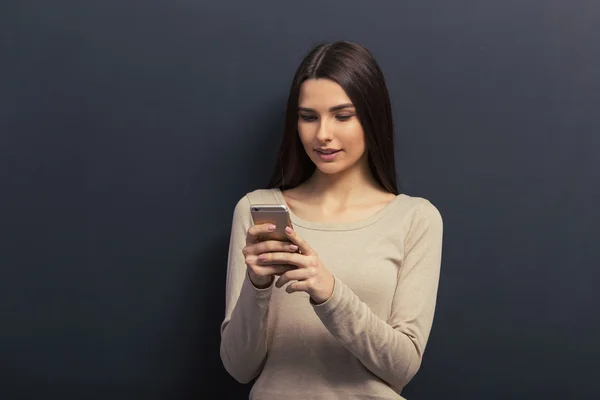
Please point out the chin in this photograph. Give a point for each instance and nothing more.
(330, 171)
(335, 167)
(330, 168)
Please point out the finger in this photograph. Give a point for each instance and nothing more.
(256, 230)
(281, 270)
(272, 269)
(296, 259)
(297, 240)
(300, 286)
(295, 275)
(269, 246)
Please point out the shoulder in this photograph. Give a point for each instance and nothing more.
(262, 196)
(257, 196)
(424, 207)
(419, 211)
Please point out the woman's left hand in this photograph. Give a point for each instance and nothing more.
(311, 276)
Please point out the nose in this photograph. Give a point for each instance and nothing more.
(324, 133)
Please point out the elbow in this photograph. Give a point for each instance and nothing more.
(240, 377)
(406, 371)
(413, 367)
(411, 358)
(237, 370)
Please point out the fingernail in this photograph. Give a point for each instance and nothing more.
(272, 227)
(262, 257)
(288, 229)
(293, 247)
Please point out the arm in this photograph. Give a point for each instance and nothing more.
(393, 350)
(244, 329)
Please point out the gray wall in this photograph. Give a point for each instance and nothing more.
(129, 129)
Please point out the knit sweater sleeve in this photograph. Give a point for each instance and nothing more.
(393, 349)
(244, 328)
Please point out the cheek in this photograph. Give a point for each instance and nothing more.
(305, 134)
(355, 137)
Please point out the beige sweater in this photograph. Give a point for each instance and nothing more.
(367, 340)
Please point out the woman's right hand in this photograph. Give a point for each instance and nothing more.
(261, 274)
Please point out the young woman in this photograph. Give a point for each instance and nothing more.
(349, 314)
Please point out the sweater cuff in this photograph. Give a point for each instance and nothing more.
(333, 302)
(258, 294)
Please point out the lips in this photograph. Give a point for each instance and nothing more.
(326, 151)
(327, 155)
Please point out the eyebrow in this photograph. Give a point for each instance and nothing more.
(332, 109)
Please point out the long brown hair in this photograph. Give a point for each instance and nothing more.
(353, 67)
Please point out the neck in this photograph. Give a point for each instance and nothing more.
(348, 186)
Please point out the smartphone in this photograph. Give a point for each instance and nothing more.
(277, 214)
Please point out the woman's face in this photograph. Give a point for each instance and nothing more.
(328, 127)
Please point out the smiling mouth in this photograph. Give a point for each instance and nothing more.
(326, 151)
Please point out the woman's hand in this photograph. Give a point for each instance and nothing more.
(262, 275)
(310, 276)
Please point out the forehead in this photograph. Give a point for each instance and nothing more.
(321, 94)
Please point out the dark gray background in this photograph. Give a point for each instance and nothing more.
(129, 129)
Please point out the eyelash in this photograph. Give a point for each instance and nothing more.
(311, 118)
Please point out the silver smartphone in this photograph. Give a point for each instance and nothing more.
(277, 214)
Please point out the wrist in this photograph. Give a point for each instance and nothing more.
(260, 282)
(326, 293)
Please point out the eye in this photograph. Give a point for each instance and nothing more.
(343, 118)
(308, 118)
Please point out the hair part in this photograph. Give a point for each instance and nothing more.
(354, 68)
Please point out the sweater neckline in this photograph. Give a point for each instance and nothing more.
(337, 226)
